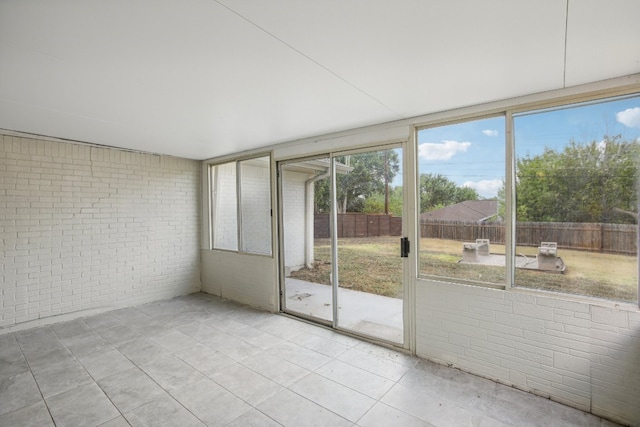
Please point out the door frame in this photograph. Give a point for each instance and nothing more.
(282, 289)
(409, 219)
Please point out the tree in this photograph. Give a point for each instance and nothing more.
(374, 204)
(367, 177)
(437, 191)
(593, 182)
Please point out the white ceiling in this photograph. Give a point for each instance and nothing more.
(203, 78)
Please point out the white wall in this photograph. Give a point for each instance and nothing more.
(256, 206)
(249, 279)
(294, 217)
(226, 207)
(586, 355)
(89, 229)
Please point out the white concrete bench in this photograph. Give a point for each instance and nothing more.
(469, 252)
(483, 247)
(547, 254)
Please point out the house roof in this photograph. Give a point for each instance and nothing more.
(470, 210)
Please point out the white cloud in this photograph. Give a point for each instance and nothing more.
(490, 132)
(486, 187)
(442, 151)
(629, 117)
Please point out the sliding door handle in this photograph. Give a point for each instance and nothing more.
(405, 247)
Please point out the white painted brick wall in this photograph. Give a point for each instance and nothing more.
(293, 201)
(581, 354)
(225, 226)
(87, 228)
(256, 208)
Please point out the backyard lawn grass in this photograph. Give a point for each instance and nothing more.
(370, 265)
(373, 265)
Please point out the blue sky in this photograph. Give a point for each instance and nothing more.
(473, 153)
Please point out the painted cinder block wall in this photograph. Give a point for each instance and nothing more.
(87, 229)
(585, 354)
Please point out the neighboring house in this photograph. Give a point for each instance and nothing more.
(470, 210)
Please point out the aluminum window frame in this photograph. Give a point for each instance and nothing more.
(240, 229)
(509, 112)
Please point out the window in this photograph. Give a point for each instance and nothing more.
(241, 206)
(255, 205)
(224, 207)
(461, 179)
(577, 199)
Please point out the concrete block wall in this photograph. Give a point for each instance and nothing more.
(583, 354)
(86, 229)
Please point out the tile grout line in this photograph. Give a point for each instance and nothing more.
(24, 356)
(95, 381)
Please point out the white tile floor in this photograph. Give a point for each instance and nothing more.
(199, 360)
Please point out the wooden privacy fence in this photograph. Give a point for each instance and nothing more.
(611, 238)
(358, 225)
(464, 231)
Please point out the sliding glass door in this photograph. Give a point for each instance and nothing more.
(341, 227)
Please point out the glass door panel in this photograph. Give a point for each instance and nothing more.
(306, 238)
(369, 204)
